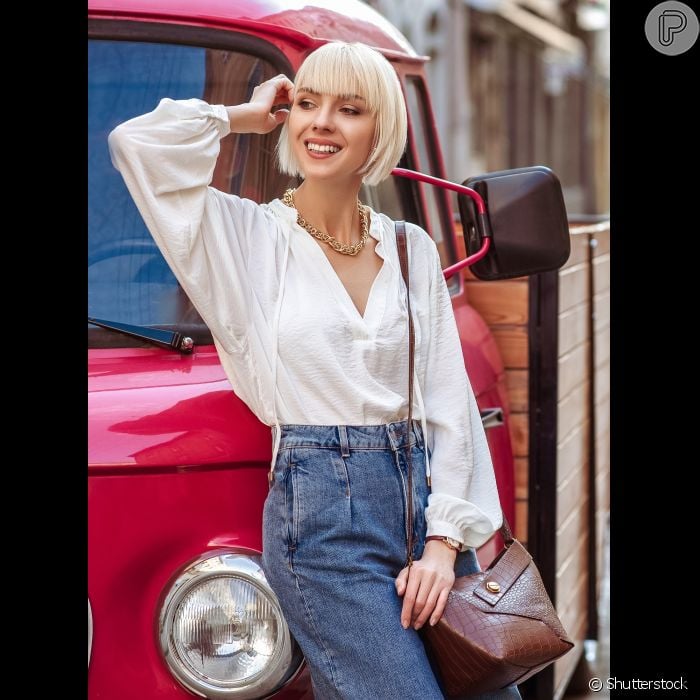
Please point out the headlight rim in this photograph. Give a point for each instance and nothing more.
(245, 564)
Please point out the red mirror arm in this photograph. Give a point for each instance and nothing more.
(480, 208)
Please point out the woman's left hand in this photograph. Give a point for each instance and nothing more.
(425, 585)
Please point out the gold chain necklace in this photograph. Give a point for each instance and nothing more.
(353, 249)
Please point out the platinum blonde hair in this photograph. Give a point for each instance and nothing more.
(340, 69)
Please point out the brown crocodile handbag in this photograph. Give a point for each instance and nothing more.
(499, 626)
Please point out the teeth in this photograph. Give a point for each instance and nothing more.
(322, 149)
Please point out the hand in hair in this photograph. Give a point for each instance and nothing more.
(256, 116)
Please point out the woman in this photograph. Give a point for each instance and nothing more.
(306, 304)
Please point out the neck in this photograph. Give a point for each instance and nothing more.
(330, 207)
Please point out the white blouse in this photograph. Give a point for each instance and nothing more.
(291, 341)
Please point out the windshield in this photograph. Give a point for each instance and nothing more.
(128, 278)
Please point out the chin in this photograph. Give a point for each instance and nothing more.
(323, 174)
(330, 173)
(313, 174)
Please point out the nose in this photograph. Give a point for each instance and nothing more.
(323, 119)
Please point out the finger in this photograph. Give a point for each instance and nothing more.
(409, 597)
(285, 90)
(282, 83)
(284, 97)
(429, 606)
(424, 591)
(440, 606)
(278, 80)
(400, 581)
(281, 98)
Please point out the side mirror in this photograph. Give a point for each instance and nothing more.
(514, 221)
(525, 212)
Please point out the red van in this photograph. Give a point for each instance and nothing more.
(177, 463)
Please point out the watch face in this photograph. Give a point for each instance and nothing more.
(453, 542)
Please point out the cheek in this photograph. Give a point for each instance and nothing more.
(298, 120)
(293, 120)
(295, 127)
(368, 139)
(370, 134)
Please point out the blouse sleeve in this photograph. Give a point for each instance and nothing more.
(464, 501)
(167, 160)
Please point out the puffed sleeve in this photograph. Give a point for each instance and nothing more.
(167, 160)
(464, 500)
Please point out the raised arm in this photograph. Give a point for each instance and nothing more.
(167, 160)
(167, 156)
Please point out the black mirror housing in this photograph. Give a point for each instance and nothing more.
(527, 218)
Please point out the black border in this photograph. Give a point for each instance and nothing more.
(653, 152)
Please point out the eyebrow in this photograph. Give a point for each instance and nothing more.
(340, 97)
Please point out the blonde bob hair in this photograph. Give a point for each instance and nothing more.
(341, 69)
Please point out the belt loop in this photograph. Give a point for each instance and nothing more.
(344, 444)
(391, 434)
(415, 429)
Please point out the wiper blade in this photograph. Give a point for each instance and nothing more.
(164, 339)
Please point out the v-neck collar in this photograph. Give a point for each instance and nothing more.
(376, 300)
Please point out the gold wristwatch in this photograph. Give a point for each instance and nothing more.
(449, 541)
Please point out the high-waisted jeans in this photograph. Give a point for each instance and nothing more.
(334, 540)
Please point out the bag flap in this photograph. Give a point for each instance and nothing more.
(503, 573)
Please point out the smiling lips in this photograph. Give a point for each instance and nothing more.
(321, 150)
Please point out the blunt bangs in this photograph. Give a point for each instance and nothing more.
(337, 69)
(347, 70)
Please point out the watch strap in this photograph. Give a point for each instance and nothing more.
(446, 541)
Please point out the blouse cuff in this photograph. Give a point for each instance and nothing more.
(194, 108)
(444, 529)
(224, 123)
(447, 514)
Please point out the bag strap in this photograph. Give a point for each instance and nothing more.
(506, 533)
(400, 227)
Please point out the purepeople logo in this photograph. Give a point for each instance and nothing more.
(672, 28)
(671, 22)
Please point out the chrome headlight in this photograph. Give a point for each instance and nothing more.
(221, 628)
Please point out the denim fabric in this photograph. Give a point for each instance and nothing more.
(334, 540)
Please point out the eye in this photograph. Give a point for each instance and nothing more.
(349, 110)
(305, 104)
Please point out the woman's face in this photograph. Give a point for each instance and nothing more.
(331, 136)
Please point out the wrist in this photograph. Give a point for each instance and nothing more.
(441, 548)
(450, 542)
(240, 118)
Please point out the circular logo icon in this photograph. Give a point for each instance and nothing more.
(671, 28)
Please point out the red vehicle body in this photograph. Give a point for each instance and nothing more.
(177, 462)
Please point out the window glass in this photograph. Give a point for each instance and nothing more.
(384, 198)
(437, 210)
(128, 278)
